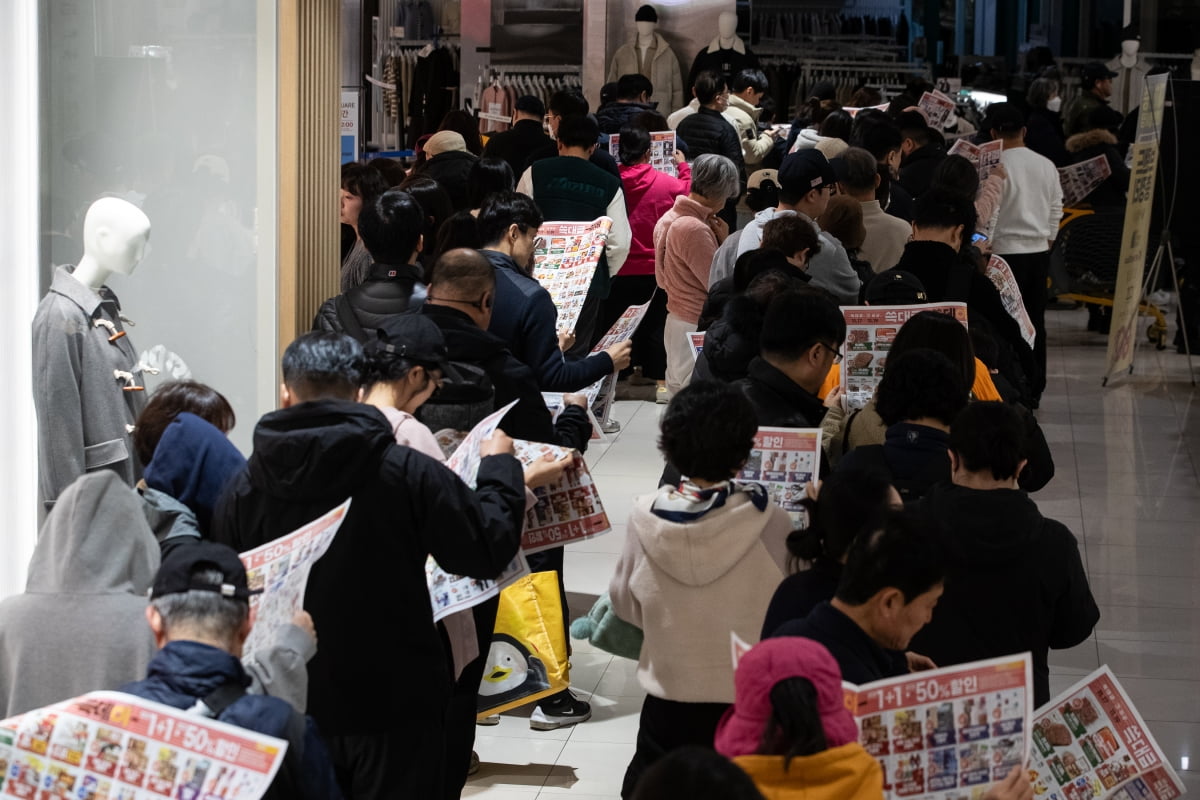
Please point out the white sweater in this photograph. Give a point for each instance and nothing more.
(1031, 205)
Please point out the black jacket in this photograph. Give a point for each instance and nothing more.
(800, 593)
(916, 170)
(1044, 135)
(388, 292)
(529, 419)
(859, 657)
(707, 131)
(614, 115)
(1099, 142)
(368, 595)
(912, 458)
(1014, 582)
(452, 171)
(730, 343)
(525, 319)
(518, 143)
(778, 401)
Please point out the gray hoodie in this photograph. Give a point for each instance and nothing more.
(81, 623)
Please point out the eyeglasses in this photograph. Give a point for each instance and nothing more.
(539, 242)
(478, 304)
(837, 354)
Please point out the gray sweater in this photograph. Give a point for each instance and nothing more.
(82, 406)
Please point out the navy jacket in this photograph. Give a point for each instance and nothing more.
(184, 672)
(857, 654)
(192, 463)
(800, 593)
(525, 318)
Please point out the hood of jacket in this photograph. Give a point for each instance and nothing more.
(702, 550)
(807, 139)
(168, 518)
(94, 541)
(933, 150)
(324, 450)
(637, 179)
(192, 463)
(611, 117)
(1098, 137)
(732, 341)
(194, 669)
(839, 773)
(1002, 524)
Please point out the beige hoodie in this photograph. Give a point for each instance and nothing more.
(688, 586)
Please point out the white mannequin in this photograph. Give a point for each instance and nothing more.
(645, 35)
(115, 233)
(1129, 52)
(1131, 69)
(649, 54)
(727, 29)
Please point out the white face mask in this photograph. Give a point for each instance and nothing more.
(1054, 103)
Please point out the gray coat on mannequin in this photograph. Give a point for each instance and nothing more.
(87, 388)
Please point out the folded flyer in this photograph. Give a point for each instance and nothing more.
(784, 460)
(114, 746)
(696, 341)
(1080, 180)
(567, 511)
(280, 569)
(870, 331)
(1001, 276)
(938, 108)
(566, 261)
(621, 331)
(1090, 742)
(949, 733)
(983, 156)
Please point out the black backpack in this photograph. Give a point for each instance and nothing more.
(467, 396)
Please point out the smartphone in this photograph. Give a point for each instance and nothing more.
(977, 238)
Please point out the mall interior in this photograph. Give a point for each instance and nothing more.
(195, 158)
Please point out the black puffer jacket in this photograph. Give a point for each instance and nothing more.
(614, 115)
(391, 290)
(731, 343)
(707, 131)
(1099, 142)
(916, 170)
(452, 171)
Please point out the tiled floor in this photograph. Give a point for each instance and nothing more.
(1126, 483)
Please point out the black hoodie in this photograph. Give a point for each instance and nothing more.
(1014, 582)
(380, 660)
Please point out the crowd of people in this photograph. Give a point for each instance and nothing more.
(918, 531)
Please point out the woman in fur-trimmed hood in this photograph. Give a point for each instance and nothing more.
(1101, 142)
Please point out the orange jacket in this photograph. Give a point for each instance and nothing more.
(983, 388)
(840, 773)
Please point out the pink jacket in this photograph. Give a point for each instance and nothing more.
(685, 241)
(648, 195)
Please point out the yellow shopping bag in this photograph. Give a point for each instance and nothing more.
(528, 656)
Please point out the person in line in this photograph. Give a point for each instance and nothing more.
(709, 132)
(633, 97)
(1095, 87)
(361, 184)
(569, 188)
(488, 176)
(994, 537)
(697, 773)
(685, 239)
(805, 182)
(524, 138)
(524, 316)
(919, 396)
(650, 194)
(360, 685)
(922, 149)
(848, 504)
(878, 134)
(1027, 225)
(790, 730)
(1044, 128)
(391, 229)
(449, 163)
(749, 88)
(890, 585)
(435, 201)
(701, 559)
(569, 104)
(731, 341)
(465, 125)
(886, 235)
(957, 175)
(199, 614)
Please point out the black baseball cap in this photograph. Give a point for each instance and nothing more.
(176, 574)
(414, 337)
(1095, 71)
(896, 287)
(805, 170)
(646, 13)
(529, 104)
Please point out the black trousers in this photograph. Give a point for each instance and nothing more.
(587, 332)
(460, 713)
(666, 725)
(1031, 271)
(648, 350)
(403, 763)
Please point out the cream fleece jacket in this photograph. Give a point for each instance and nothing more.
(689, 585)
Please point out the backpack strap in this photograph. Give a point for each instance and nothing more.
(349, 320)
(223, 697)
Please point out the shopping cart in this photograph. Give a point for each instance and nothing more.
(1084, 260)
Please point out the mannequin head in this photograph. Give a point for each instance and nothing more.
(115, 233)
(1131, 42)
(646, 22)
(727, 25)
(646, 29)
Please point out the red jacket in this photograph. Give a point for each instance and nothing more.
(648, 195)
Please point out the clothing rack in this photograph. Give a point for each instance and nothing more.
(498, 86)
(413, 83)
(791, 79)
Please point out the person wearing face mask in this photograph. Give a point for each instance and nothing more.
(1043, 128)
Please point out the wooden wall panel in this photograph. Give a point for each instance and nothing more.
(309, 173)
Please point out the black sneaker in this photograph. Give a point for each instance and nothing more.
(559, 711)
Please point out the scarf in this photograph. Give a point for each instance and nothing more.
(688, 502)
